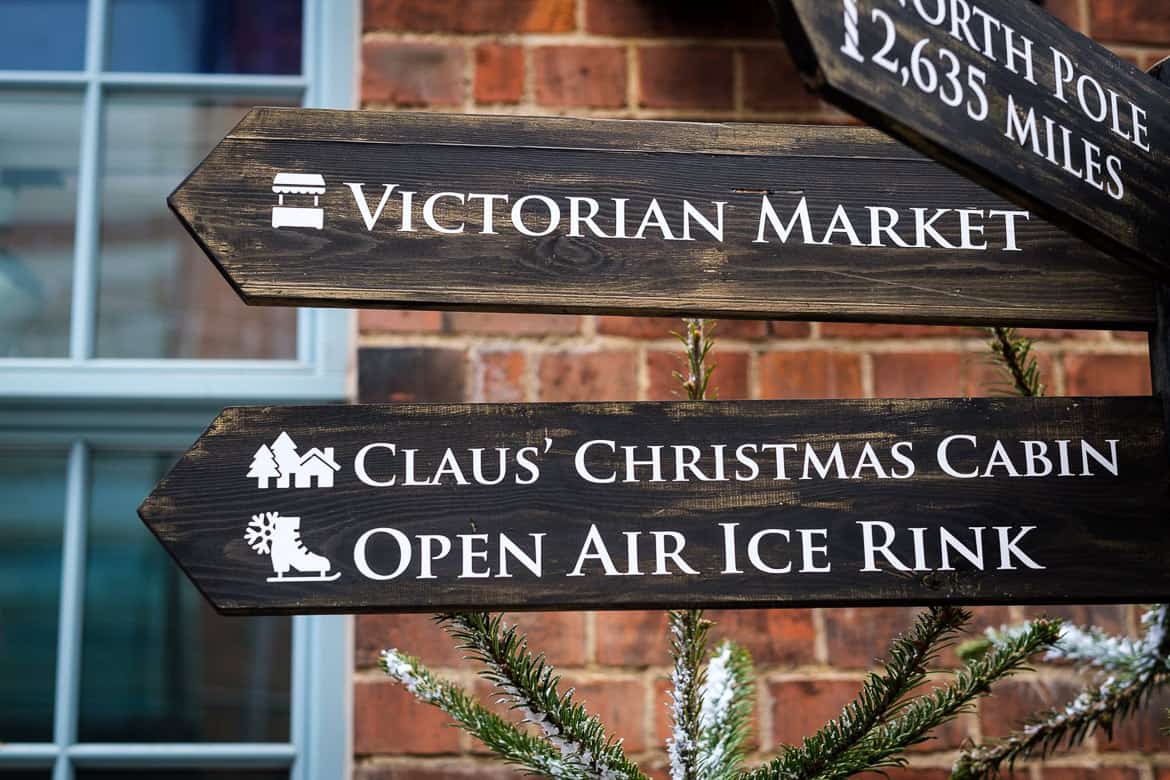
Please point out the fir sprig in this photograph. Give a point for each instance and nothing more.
(884, 746)
(725, 714)
(882, 696)
(1134, 672)
(531, 686)
(503, 738)
(697, 341)
(688, 649)
(1013, 353)
(688, 628)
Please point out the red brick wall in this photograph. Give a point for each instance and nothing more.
(681, 59)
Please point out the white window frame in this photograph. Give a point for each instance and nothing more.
(319, 371)
(82, 404)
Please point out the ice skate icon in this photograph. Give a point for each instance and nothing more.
(280, 537)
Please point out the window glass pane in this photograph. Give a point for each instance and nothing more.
(39, 146)
(159, 296)
(32, 511)
(42, 34)
(206, 36)
(158, 665)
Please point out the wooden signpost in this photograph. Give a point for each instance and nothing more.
(350, 208)
(1009, 96)
(414, 507)
(429, 508)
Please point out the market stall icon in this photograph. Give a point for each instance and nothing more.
(298, 216)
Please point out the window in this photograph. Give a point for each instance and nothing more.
(119, 342)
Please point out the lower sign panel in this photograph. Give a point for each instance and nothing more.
(400, 508)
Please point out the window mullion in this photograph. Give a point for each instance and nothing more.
(83, 316)
(69, 625)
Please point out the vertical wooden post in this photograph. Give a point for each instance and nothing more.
(1160, 335)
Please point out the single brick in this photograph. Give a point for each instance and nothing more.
(1014, 701)
(771, 82)
(500, 377)
(417, 635)
(801, 707)
(633, 639)
(1131, 21)
(388, 719)
(694, 77)
(496, 324)
(1102, 375)
(750, 330)
(773, 636)
(1067, 11)
(580, 76)
(916, 374)
(783, 329)
(619, 703)
(857, 636)
(499, 73)
(982, 376)
(395, 321)
(689, 19)
(471, 16)
(728, 383)
(810, 374)
(879, 330)
(559, 635)
(444, 770)
(640, 327)
(423, 374)
(1092, 772)
(412, 74)
(588, 376)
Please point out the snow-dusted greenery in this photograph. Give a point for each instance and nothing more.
(711, 696)
(1124, 673)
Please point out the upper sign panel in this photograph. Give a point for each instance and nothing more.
(651, 218)
(1009, 96)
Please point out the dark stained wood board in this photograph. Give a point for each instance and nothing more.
(860, 55)
(227, 205)
(1100, 538)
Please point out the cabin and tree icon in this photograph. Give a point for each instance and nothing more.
(281, 462)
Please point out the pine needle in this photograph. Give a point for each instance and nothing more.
(1013, 353)
(505, 741)
(882, 696)
(532, 687)
(1128, 684)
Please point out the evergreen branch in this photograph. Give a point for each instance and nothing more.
(882, 696)
(1013, 352)
(688, 648)
(696, 338)
(1097, 706)
(531, 686)
(725, 713)
(504, 740)
(913, 724)
(688, 628)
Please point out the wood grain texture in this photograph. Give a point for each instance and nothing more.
(1101, 538)
(1133, 228)
(227, 202)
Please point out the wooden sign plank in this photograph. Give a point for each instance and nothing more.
(1009, 96)
(369, 209)
(423, 508)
